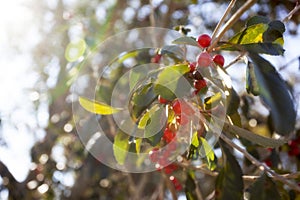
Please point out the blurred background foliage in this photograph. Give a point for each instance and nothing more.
(60, 167)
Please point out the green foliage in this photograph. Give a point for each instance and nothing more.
(170, 83)
(259, 36)
(187, 41)
(229, 184)
(264, 189)
(97, 107)
(121, 146)
(275, 93)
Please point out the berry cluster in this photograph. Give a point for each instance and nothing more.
(294, 147)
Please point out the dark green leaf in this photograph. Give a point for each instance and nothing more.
(233, 104)
(259, 36)
(229, 183)
(258, 139)
(257, 20)
(173, 50)
(186, 40)
(121, 146)
(264, 189)
(190, 186)
(157, 122)
(207, 152)
(275, 94)
(141, 99)
(251, 83)
(171, 82)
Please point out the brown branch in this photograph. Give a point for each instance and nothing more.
(290, 15)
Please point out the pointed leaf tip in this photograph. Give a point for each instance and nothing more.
(97, 107)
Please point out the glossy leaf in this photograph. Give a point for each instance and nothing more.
(264, 189)
(136, 74)
(212, 101)
(171, 82)
(275, 94)
(174, 50)
(97, 107)
(251, 82)
(121, 146)
(255, 138)
(207, 152)
(141, 99)
(229, 183)
(260, 36)
(233, 104)
(155, 128)
(138, 143)
(186, 40)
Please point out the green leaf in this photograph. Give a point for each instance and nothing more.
(258, 139)
(260, 36)
(207, 151)
(138, 143)
(171, 83)
(75, 50)
(195, 140)
(121, 146)
(136, 75)
(275, 94)
(257, 20)
(233, 104)
(141, 99)
(97, 107)
(229, 183)
(190, 186)
(186, 40)
(251, 83)
(155, 128)
(264, 189)
(173, 50)
(212, 101)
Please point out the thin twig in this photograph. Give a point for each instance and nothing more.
(236, 16)
(201, 168)
(220, 23)
(152, 18)
(238, 58)
(261, 166)
(290, 15)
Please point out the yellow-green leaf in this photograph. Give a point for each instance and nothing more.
(97, 107)
(75, 50)
(121, 147)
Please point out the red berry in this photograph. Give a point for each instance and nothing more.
(168, 135)
(156, 58)
(200, 84)
(176, 183)
(219, 60)
(268, 162)
(182, 119)
(162, 100)
(204, 40)
(154, 154)
(170, 168)
(192, 66)
(204, 59)
(176, 107)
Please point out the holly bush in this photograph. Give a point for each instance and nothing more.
(187, 122)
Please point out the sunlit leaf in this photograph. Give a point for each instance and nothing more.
(97, 107)
(264, 189)
(144, 120)
(155, 128)
(121, 146)
(195, 140)
(138, 143)
(260, 36)
(258, 139)
(171, 82)
(75, 50)
(275, 94)
(212, 101)
(229, 183)
(186, 40)
(207, 152)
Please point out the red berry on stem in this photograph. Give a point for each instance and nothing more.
(154, 154)
(168, 135)
(204, 59)
(176, 107)
(162, 100)
(192, 66)
(200, 84)
(197, 75)
(219, 60)
(156, 58)
(204, 40)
